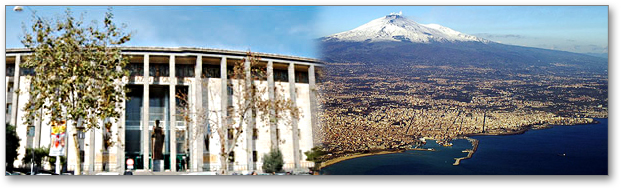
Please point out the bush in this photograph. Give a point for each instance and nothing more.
(273, 162)
(40, 154)
(315, 154)
(12, 144)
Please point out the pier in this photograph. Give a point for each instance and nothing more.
(475, 145)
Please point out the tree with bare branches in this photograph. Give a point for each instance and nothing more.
(249, 100)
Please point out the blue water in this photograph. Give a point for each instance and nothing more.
(536, 152)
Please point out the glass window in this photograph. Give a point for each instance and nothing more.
(184, 70)
(135, 69)
(10, 70)
(31, 131)
(281, 75)
(211, 71)
(230, 134)
(301, 77)
(26, 71)
(158, 70)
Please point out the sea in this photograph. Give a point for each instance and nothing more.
(559, 150)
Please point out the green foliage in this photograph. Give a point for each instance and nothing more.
(315, 154)
(12, 144)
(273, 161)
(78, 71)
(52, 160)
(40, 154)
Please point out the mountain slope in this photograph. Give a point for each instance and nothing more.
(394, 39)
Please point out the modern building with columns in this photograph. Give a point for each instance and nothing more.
(157, 75)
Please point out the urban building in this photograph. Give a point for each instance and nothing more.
(157, 76)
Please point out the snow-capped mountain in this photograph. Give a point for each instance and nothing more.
(394, 39)
(394, 27)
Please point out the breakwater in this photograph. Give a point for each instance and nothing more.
(475, 145)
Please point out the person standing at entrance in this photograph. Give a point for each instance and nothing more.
(157, 140)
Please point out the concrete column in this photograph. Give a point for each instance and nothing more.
(91, 151)
(38, 122)
(203, 110)
(145, 115)
(172, 113)
(294, 121)
(199, 131)
(120, 149)
(249, 118)
(272, 112)
(15, 94)
(313, 102)
(224, 104)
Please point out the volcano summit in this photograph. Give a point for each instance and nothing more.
(394, 27)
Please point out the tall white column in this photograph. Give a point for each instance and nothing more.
(120, 148)
(294, 121)
(15, 94)
(145, 114)
(172, 113)
(201, 109)
(91, 151)
(37, 137)
(272, 112)
(313, 102)
(249, 119)
(224, 104)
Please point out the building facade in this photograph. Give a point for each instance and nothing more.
(158, 77)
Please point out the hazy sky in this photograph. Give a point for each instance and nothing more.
(280, 30)
(293, 30)
(569, 28)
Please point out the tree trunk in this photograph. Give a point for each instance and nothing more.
(224, 161)
(78, 168)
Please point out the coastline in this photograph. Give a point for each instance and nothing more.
(475, 144)
(355, 155)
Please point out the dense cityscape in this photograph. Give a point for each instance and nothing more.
(391, 107)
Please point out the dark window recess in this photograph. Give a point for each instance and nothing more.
(158, 70)
(255, 134)
(301, 77)
(10, 70)
(211, 71)
(230, 134)
(26, 71)
(254, 156)
(230, 72)
(184, 70)
(81, 134)
(281, 75)
(278, 134)
(229, 90)
(135, 69)
(232, 156)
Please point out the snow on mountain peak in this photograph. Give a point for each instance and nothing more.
(395, 27)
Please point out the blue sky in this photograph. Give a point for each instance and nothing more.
(280, 30)
(293, 30)
(582, 29)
